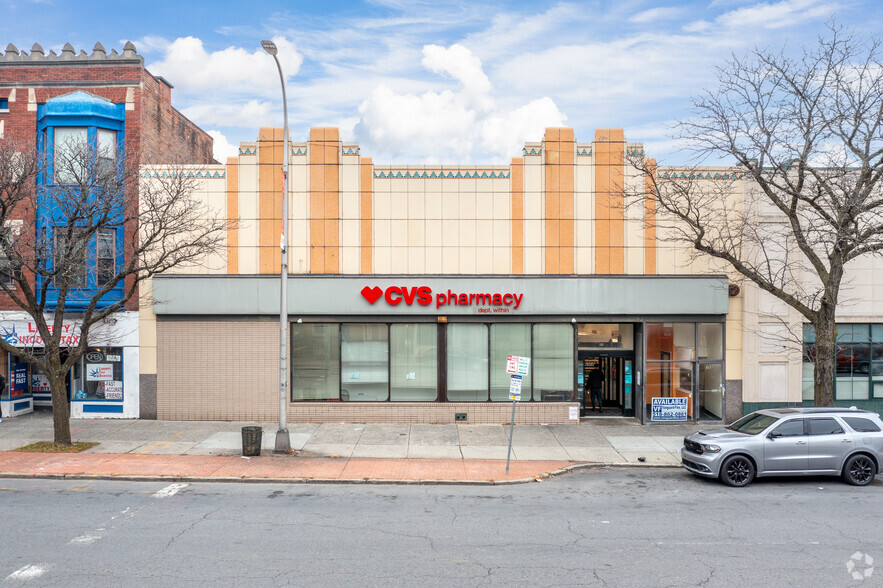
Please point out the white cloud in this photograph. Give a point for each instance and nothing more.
(222, 148)
(505, 135)
(191, 68)
(150, 43)
(399, 122)
(459, 63)
(658, 14)
(450, 125)
(614, 75)
(769, 15)
(253, 114)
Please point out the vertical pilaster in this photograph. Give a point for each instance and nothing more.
(559, 156)
(270, 199)
(366, 215)
(233, 215)
(649, 221)
(324, 161)
(516, 189)
(609, 156)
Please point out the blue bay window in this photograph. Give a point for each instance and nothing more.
(81, 136)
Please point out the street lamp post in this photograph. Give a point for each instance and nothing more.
(283, 440)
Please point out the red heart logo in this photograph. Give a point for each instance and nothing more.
(372, 294)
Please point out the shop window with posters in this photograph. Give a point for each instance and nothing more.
(103, 375)
(19, 372)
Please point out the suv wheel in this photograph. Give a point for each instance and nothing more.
(859, 470)
(737, 471)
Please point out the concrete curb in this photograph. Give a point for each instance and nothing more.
(368, 481)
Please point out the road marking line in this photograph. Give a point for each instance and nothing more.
(84, 539)
(170, 490)
(28, 572)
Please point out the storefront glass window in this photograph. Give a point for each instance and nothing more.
(7, 381)
(103, 369)
(606, 336)
(19, 376)
(711, 341)
(670, 379)
(671, 341)
(413, 362)
(711, 391)
(508, 339)
(853, 362)
(553, 362)
(364, 362)
(808, 380)
(858, 361)
(467, 362)
(315, 362)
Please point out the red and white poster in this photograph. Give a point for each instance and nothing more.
(113, 390)
(39, 383)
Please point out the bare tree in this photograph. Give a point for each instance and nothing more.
(807, 135)
(61, 263)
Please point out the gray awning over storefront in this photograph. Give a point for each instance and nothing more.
(493, 296)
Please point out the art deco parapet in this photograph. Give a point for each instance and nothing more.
(14, 56)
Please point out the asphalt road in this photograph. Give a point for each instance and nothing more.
(617, 527)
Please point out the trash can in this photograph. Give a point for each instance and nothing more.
(251, 441)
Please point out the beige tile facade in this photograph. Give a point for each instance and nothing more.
(441, 219)
(553, 210)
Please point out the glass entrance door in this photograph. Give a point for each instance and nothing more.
(612, 378)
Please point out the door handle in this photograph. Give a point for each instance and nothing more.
(846, 441)
(800, 443)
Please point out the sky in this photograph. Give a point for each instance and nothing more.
(436, 82)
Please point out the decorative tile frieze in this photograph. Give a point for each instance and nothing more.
(699, 176)
(187, 174)
(428, 174)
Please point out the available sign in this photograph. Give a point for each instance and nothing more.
(668, 409)
(423, 295)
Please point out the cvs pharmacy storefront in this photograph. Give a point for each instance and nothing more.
(104, 383)
(433, 349)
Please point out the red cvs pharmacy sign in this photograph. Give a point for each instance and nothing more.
(423, 295)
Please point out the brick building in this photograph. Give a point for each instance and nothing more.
(155, 131)
(99, 97)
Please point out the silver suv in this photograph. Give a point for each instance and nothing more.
(789, 442)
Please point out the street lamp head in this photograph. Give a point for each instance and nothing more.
(269, 47)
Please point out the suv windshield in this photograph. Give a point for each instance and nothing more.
(753, 424)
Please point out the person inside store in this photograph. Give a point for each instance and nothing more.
(596, 380)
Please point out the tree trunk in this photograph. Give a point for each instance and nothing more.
(61, 413)
(825, 361)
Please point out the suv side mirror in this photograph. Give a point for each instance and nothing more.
(774, 435)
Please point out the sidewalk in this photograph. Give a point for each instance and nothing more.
(339, 452)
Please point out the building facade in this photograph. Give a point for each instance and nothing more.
(411, 286)
(49, 102)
